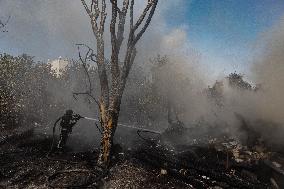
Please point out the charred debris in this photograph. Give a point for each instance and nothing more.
(203, 162)
(165, 159)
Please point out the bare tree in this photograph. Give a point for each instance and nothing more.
(112, 86)
(3, 25)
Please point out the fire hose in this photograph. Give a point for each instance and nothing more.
(126, 126)
(50, 178)
(53, 135)
(139, 130)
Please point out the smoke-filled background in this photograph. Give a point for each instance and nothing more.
(169, 67)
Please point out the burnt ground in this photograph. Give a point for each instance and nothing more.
(25, 164)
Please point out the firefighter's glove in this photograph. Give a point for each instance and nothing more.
(78, 116)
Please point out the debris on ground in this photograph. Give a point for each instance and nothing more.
(215, 163)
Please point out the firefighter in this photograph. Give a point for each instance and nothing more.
(68, 120)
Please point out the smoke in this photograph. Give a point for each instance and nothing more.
(268, 71)
(262, 110)
(51, 28)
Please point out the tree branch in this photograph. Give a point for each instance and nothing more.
(90, 54)
(115, 71)
(3, 24)
(139, 35)
(131, 15)
(142, 16)
(94, 13)
(121, 24)
(103, 17)
(132, 39)
(84, 64)
(114, 2)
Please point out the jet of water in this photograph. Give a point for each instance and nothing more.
(127, 126)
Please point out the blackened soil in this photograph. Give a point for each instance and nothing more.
(24, 163)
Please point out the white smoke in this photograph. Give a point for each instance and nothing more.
(268, 71)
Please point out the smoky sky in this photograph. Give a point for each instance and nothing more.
(45, 29)
(48, 29)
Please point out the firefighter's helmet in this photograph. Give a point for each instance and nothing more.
(69, 112)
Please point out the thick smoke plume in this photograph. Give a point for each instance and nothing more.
(268, 71)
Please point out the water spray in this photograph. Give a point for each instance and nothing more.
(89, 118)
(127, 126)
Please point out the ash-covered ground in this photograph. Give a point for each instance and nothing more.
(158, 161)
(25, 164)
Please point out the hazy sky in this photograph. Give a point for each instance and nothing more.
(224, 32)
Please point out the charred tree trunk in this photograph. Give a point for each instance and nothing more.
(109, 127)
(112, 86)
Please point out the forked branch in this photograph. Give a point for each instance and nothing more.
(90, 55)
(4, 24)
(97, 17)
(133, 38)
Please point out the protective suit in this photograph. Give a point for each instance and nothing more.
(68, 120)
